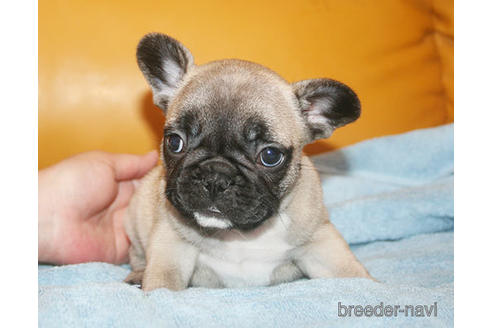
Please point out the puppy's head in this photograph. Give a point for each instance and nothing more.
(235, 131)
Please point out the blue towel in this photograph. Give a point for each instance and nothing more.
(392, 199)
(391, 187)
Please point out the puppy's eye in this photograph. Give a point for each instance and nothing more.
(174, 143)
(271, 157)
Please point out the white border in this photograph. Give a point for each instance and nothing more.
(473, 165)
(473, 138)
(18, 134)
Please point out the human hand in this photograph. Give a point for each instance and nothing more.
(81, 204)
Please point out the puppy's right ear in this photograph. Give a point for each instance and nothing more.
(164, 62)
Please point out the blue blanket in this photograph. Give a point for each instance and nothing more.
(392, 199)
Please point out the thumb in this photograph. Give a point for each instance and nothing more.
(128, 167)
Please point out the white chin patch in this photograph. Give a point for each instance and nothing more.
(211, 222)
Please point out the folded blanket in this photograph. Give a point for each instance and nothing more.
(392, 199)
(391, 187)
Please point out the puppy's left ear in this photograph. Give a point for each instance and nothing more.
(326, 105)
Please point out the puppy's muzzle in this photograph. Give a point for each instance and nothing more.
(221, 195)
(217, 177)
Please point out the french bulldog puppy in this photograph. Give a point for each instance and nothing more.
(236, 202)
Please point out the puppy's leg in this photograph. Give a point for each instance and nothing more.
(137, 262)
(170, 260)
(328, 255)
(135, 277)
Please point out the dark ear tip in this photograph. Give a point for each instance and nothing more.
(157, 44)
(149, 41)
(154, 36)
(154, 40)
(354, 103)
(347, 107)
(151, 35)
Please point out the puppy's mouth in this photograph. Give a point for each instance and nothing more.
(212, 217)
(214, 210)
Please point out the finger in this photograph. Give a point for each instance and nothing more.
(117, 212)
(121, 240)
(125, 193)
(128, 167)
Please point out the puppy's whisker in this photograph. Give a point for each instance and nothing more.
(280, 216)
(240, 234)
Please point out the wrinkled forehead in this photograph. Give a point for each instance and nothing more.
(227, 101)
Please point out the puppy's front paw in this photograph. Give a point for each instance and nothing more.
(167, 280)
(135, 278)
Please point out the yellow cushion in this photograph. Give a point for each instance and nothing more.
(397, 55)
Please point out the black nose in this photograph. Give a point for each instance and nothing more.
(217, 176)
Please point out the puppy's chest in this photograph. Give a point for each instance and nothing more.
(247, 260)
